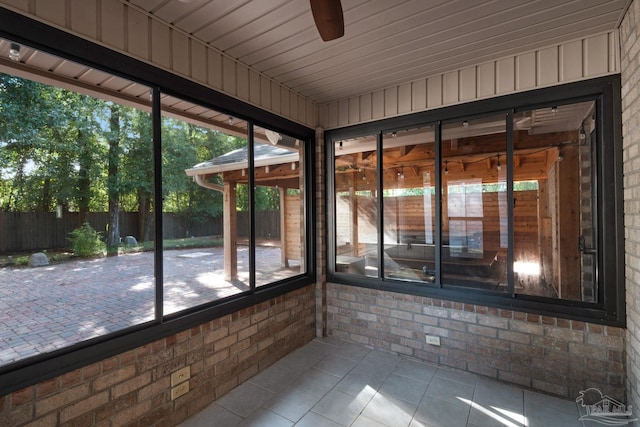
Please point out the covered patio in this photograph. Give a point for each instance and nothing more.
(275, 165)
(391, 297)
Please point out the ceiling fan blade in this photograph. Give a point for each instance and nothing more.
(328, 17)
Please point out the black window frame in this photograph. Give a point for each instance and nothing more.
(24, 30)
(606, 93)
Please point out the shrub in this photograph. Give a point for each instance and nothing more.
(86, 242)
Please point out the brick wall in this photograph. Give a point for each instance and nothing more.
(321, 284)
(548, 354)
(133, 388)
(630, 65)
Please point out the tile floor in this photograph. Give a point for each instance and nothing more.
(332, 383)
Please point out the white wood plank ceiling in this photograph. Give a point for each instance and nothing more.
(386, 42)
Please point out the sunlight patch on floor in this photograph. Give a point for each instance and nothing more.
(520, 419)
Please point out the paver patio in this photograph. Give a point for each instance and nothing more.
(47, 308)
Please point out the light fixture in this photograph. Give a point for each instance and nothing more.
(14, 52)
(465, 124)
(230, 120)
(554, 110)
(340, 145)
(499, 166)
(583, 134)
(446, 168)
(401, 173)
(394, 135)
(273, 137)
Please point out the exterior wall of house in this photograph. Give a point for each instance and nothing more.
(572, 61)
(126, 29)
(134, 388)
(630, 66)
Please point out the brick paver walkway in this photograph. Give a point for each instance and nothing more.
(48, 308)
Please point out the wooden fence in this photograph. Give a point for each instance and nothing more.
(34, 231)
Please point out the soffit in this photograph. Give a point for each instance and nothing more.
(56, 71)
(386, 42)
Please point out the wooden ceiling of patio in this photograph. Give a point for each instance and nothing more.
(472, 157)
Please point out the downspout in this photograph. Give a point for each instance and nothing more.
(202, 183)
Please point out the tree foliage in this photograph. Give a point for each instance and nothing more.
(63, 148)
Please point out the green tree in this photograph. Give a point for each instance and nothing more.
(113, 161)
(184, 146)
(24, 108)
(137, 170)
(48, 145)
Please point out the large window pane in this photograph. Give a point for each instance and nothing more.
(409, 205)
(206, 252)
(554, 227)
(356, 207)
(76, 203)
(474, 210)
(279, 206)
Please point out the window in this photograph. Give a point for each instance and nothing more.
(505, 207)
(157, 211)
(75, 188)
(356, 218)
(278, 211)
(202, 260)
(409, 204)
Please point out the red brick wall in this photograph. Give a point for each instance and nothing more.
(133, 388)
(549, 354)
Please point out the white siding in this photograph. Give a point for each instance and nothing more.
(127, 29)
(137, 34)
(160, 44)
(84, 17)
(199, 68)
(505, 76)
(113, 19)
(180, 54)
(215, 69)
(572, 61)
(419, 95)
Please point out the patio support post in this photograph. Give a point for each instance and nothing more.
(230, 232)
(283, 227)
(353, 212)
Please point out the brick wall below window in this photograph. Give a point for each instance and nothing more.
(548, 354)
(134, 388)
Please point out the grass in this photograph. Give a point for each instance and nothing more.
(188, 243)
(63, 255)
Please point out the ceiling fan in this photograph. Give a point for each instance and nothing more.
(329, 19)
(327, 15)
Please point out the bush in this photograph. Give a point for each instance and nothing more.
(86, 242)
